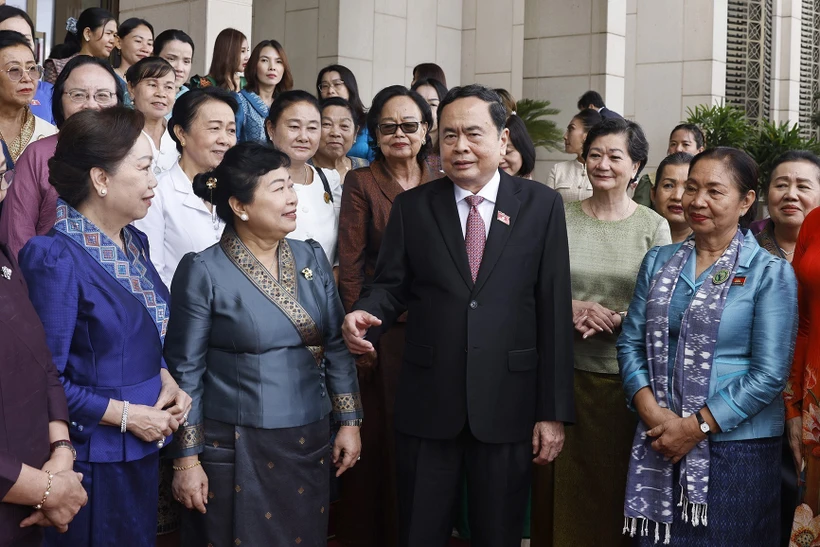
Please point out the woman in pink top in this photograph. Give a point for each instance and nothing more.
(30, 207)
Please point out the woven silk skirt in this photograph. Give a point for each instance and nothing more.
(743, 500)
(267, 487)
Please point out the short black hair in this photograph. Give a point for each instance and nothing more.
(590, 98)
(637, 146)
(150, 67)
(10, 12)
(678, 158)
(127, 27)
(352, 86)
(744, 171)
(57, 111)
(89, 139)
(589, 118)
(338, 101)
(11, 38)
(789, 156)
(693, 129)
(238, 176)
(522, 142)
(497, 111)
(375, 114)
(167, 36)
(284, 100)
(188, 105)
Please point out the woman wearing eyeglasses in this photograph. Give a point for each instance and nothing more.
(30, 207)
(18, 126)
(339, 81)
(399, 121)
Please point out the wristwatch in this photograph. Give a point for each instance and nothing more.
(704, 427)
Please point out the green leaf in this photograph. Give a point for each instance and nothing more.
(544, 133)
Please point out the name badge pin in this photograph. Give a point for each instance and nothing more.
(503, 217)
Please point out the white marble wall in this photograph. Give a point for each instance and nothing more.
(570, 47)
(201, 19)
(676, 54)
(786, 61)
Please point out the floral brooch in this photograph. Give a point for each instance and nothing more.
(308, 273)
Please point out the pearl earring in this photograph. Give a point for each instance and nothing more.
(103, 192)
(244, 217)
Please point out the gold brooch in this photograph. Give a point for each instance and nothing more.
(327, 197)
(308, 273)
(211, 183)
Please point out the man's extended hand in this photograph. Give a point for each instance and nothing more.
(355, 328)
(547, 441)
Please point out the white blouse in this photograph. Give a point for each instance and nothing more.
(178, 222)
(166, 156)
(569, 178)
(317, 218)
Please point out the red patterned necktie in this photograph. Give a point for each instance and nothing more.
(475, 235)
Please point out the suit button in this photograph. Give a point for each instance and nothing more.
(80, 427)
(73, 424)
(473, 305)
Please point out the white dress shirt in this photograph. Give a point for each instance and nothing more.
(485, 208)
(166, 156)
(178, 222)
(317, 218)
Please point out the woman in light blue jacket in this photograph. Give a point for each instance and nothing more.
(704, 355)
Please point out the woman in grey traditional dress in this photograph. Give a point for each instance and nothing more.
(256, 341)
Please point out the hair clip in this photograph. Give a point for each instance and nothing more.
(71, 25)
(211, 183)
(513, 113)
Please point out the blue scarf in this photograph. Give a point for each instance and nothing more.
(125, 267)
(649, 481)
(255, 116)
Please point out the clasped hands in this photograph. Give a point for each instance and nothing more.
(676, 436)
(590, 318)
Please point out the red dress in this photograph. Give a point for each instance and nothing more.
(802, 393)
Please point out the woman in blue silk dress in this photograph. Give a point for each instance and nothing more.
(255, 338)
(105, 312)
(267, 75)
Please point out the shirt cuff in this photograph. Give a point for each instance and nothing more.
(347, 406)
(633, 384)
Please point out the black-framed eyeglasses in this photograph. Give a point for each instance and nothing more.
(406, 127)
(102, 97)
(337, 84)
(16, 73)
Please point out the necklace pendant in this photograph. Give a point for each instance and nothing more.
(6, 272)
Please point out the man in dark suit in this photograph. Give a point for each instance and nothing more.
(592, 100)
(480, 262)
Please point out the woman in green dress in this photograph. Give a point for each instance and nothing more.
(608, 236)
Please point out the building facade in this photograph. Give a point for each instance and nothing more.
(652, 60)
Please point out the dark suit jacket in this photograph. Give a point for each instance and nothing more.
(608, 114)
(366, 202)
(498, 352)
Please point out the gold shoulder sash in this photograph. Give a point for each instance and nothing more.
(282, 293)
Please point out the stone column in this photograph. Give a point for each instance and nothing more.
(680, 62)
(492, 44)
(569, 48)
(787, 24)
(201, 19)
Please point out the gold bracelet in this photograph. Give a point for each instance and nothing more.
(47, 492)
(185, 467)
